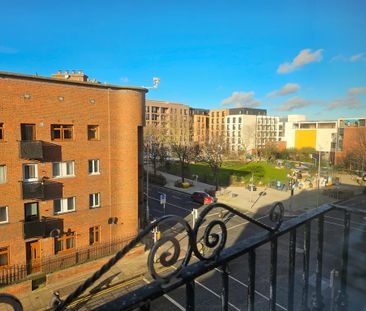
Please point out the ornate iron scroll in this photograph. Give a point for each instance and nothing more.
(211, 239)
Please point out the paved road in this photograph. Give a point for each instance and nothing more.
(208, 287)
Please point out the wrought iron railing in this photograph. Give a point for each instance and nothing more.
(184, 267)
(19, 272)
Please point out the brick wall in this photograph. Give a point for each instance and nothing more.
(117, 111)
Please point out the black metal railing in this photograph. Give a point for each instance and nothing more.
(40, 150)
(43, 228)
(42, 190)
(183, 267)
(16, 273)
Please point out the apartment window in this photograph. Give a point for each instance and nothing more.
(4, 217)
(93, 132)
(94, 235)
(65, 243)
(28, 131)
(2, 174)
(31, 211)
(4, 257)
(94, 200)
(1, 132)
(62, 132)
(65, 205)
(94, 168)
(30, 172)
(63, 169)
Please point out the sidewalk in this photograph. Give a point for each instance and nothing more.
(124, 270)
(241, 198)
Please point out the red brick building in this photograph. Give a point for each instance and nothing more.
(351, 140)
(70, 164)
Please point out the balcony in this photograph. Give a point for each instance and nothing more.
(42, 190)
(40, 150)
(42, 228)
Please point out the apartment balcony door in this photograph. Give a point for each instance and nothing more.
(28, 131)
(33, 250)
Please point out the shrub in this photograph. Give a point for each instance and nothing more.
(183, 185)
(157, 179)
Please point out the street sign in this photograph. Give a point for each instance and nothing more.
(162, 198)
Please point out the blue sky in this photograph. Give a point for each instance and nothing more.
(289, 57)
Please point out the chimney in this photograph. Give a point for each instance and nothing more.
(75, 75)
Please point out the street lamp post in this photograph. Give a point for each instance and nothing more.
(156, 82)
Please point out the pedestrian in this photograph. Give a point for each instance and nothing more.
(55, 300)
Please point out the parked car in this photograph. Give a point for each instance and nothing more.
(202, 197)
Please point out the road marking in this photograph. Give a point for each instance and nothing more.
(176, 206)
(174, 302)
(106, 290)
(215, 294)
(339, 225)
(246, 286)
(352, 222)
(176, 197)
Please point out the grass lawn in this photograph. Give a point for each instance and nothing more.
(233, 171)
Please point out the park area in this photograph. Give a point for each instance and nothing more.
(234, 172)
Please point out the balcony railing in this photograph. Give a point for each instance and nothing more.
(183, 265)
(43, 228)
(42, 190)
(40, 150)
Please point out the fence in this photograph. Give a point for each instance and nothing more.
(16, 273)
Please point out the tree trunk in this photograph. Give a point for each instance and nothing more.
(154, 166)
(217, 181)
(182, 171)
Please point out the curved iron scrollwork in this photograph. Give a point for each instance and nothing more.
(168, 251)
(169, 258)
(12, 301)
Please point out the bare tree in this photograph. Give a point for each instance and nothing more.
(356, 156)
(155, 145)
(186, 153)
(213, 153)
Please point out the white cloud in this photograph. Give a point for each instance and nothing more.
(124, 79)
(357, 57)
(350, 102)
(293, 103)
(241, 99)
(7, 50)
(352, 58)
(304, 57)
(357, 90)
(288, 88)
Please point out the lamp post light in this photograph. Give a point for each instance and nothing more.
(155, 85)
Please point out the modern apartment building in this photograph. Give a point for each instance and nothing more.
(217, 123)
(240, 133)
(319, 135)
(267, 131)
(70, 164)
(199, 125)
(173, 117)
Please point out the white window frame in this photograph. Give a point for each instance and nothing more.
(7, 215)
(36, 171)
(4, 174)
(94, 196)
(64, 202)
(63, 169)
(94, 166)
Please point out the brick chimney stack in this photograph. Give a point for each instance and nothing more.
(75, 75)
